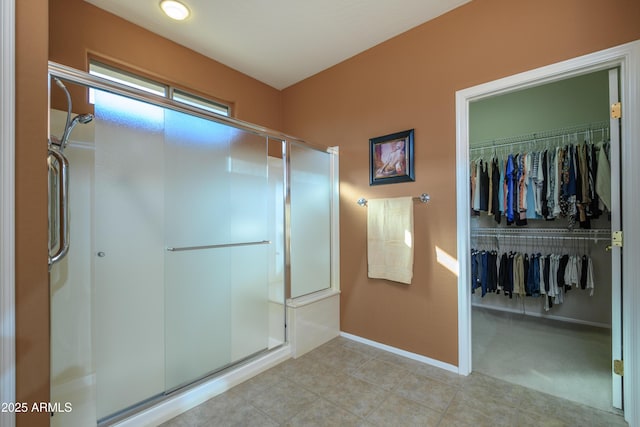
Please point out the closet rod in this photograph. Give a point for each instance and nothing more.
(553, 231)
(595, 238)
(541, 136)
(596, 234)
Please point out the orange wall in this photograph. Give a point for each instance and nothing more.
(32, 284)
(79, 28)
(410, 82)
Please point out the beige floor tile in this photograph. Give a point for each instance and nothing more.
(380, 373)
(324, 413)
(481, 409)
(352, 394)
(245, 415)
(363, 348)
(397, 411)
(340, 358)
(428, 392)
(282, 401)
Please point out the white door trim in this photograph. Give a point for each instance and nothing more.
(627, 57)
(7, 216)
(616, 252)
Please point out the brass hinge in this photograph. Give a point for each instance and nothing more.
(616, 110)
(616, 240)
(618, 367)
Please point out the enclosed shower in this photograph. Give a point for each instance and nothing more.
(176, 237)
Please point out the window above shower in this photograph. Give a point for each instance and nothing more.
(157, 88)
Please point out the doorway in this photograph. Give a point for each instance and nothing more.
(580, 66)
(540, 335)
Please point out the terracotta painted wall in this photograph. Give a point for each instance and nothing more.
(32, 284)
(410, 82)
(79, 28)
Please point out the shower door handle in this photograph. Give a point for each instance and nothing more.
(62, 207)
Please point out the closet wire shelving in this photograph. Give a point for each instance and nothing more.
(590, 132)
(596, 234)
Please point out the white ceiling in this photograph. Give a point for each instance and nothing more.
(281, 42)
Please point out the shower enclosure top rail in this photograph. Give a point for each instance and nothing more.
(226, 245)
(80, 77)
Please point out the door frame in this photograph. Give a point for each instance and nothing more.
(7, 209)
(627, 57)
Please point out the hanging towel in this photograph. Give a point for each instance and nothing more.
(390, 239)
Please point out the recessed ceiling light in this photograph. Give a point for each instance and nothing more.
(174, 9)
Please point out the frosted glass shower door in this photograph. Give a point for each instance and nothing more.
(128, 255)
(310, 188)
(216, 268)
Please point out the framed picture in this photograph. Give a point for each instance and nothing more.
(391, 158)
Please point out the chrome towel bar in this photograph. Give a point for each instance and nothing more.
(424, 198)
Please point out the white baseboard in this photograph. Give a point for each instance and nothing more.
(404, 353)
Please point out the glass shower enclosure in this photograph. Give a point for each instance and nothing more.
(177, 266)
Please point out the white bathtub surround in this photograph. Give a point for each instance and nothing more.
(313, 320)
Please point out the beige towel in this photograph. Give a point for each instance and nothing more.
(390, 239)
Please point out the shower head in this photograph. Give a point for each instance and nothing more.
(80, 118)
(70, 123)
(83, 118)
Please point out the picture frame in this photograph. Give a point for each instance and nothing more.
(391, 158)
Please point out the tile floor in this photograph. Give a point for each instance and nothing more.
(346, 383)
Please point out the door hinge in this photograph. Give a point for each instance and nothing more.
(616, 238)
(616, 110)
(618, 367)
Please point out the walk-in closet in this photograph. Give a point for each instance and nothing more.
(544, 167)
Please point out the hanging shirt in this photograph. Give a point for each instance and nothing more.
(490, 170)
(509, 185)
(603, 179)
(473, 171)
(544, 206)
(518, 275)
(501, 169)
(557, 171)
(495, 192)
(590, 281)
(484, 186)
(476, 194)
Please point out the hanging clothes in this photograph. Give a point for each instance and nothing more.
(570, 182)
(535, 275)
